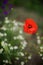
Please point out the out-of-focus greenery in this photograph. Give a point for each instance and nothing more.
(36, 5)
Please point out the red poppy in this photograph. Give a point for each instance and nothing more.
(30, 26)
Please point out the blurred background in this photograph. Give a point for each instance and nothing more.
(16, 46)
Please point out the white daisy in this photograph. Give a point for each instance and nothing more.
(6, 20)
(20, 37)
(5, 34)
(22, 63)
(40, 54)
(29, 57)
(15, 47)
(11, 48)
(17, 58)
(20, 31)
(1, 50)
(21, 53)
(1, 34)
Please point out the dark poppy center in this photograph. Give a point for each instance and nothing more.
(29, 26)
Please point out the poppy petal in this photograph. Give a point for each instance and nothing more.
(30, 26)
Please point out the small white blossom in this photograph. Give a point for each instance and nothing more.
(22, 63)
(3, 60)
(41, 47)
(14, 21)
(6, 20)
(21, 53)
(11, 48)
(38, 37)
(15, 38)
(29, 57)
(9, 45)
(5, 34)
(19, 23)
(15, 47)
(24, 43)
(5, 39)
(6, 44)
(1, 50)
(20, 31)
(16, 24)
(4, 28)
(39, 41)
(42, 58)
(2, 43)
(17, 58)
(40, 54)
(20, 37)
(6, 61)
(1, 34)
(23, 47)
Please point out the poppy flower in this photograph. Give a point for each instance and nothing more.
(30, 26)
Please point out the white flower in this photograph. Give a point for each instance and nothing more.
(11, 48)
(16, 24)
(3, 43)
(4, 28)
(15, 47)
(40, 54)
(29, 57)
(42, 58)
(20, 31)
(38, 37)
(5, 34)
(6, 44)
(22, 63)
(15, 38)
(3, 60)
(17, 58)
(24, 43)
(6, 20)
(1, 34)
(19, 23)
(1, 50)
(23, 47)
(15, 28)
(6, 61)
(14, 21)
(9, 45)
(21, 53)
(5, 39)
(39, 41)
(20, 37)
(41, 47)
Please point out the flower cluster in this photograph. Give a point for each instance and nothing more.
(13, 43)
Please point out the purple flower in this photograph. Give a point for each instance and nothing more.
(5, 12)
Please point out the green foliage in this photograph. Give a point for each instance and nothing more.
(35, 5)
